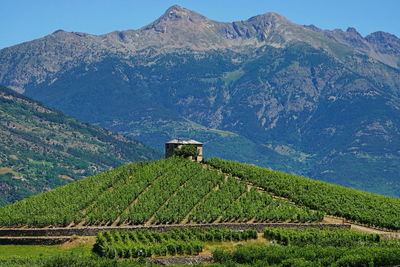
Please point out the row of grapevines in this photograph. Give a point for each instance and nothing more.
(336, 200)
(133, 244)
(217, 201)
(327, 237)
(201, 183)
(132, 250)
(61, 205)
(159, 192)
(262, 208)
(210, 234)
(310, 255)
(128, 186)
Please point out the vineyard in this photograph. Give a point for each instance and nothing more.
(314, 247)
(134, 244)
(327, 237)
(279, 247)
(309, 255)
(332, 199)
(168, 191)
(179, 191)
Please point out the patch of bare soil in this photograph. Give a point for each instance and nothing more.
(79, 241)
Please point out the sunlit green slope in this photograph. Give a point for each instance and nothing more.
(178, 191)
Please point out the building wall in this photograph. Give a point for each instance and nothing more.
(200, 153)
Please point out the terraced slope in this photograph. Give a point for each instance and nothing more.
(167, 191)
(178, 191)
(349, 203)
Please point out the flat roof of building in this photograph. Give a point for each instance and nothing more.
(184, 142)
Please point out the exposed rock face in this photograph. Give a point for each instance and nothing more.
(381, 46)
(35, 61)
(265, 90)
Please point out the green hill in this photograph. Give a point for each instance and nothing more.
(42, 148)
(178, 191)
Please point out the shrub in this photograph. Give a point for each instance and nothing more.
(186, 151)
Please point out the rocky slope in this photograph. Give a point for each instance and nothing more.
(37, 61)
(43, 148)
(266, 91)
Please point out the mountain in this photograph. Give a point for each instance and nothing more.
(179, 28)
(179, 191)
(42, 148)
(266, 91)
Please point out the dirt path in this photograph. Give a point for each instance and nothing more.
(369, 230)
(384, 234)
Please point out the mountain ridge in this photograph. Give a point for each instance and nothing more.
(43, 148)
(266, 29)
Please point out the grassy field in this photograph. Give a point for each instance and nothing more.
(210, 246)
(81, 245)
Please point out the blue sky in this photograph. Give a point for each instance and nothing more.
(24, 20)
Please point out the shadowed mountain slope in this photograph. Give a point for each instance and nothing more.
(43, 148)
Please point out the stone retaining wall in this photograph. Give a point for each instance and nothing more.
(92, 231)
(33, 241)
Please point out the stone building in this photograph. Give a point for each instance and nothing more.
(176, 143)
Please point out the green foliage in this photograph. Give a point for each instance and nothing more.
(186, 151)
(352, 204)
(45, 149)
(143, 243)
(310, 255)
(173, 190)
(70, 260)
(327, 237)
(62, 205)
(217, 201)
(201, 183)
(262, 207)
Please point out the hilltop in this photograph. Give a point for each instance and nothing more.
(42, 148)
(266, 91)
(179, 191)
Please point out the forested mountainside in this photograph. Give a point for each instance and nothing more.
(42, 148)
(266, 91)
(179, 191)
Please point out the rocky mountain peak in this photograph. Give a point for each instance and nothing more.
(381, 36)
(176, 13)
(269, 18)
(176, 17)
(385, 43)
(58, 31)
(353, 31)
(313, 27)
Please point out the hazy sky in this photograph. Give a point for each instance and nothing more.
(24, 20)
